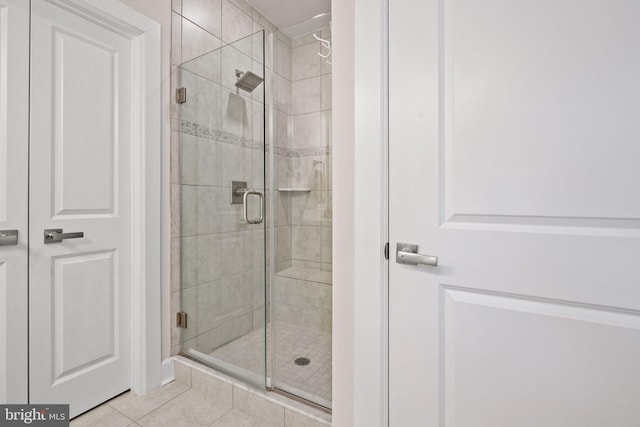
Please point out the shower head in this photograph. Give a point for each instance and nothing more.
(247, 81)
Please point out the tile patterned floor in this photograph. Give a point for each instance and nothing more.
(311, 382)
(194, 399)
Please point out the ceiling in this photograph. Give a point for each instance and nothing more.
(294, 17)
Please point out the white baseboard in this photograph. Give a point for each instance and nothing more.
(167, 371)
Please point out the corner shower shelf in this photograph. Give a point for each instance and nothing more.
(294, 190)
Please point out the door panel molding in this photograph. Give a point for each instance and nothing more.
(76, 142)
(551, 182)
(589, 345)
(80, 346)
(606, 227)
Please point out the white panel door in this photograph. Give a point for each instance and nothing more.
(514, 148)
(80, 182)
(14, 144)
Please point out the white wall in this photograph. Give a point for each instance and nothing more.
(370, 217)
(343, 211)
(160, 11)
(359, 375)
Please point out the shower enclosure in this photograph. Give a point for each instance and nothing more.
(252, 190)
(222, 165)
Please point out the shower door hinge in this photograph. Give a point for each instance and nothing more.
(181, 319)
(181, 95)
(386, 250)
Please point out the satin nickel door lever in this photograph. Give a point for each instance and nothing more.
(407, 253)
(8, 237)
(55, 235)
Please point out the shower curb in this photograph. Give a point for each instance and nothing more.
(313, 414)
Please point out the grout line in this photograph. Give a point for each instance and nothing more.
(120, 412)
(155, 409)
(203, 29)
(221, 416)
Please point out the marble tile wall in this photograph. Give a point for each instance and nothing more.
(303, 300)
(311, 214)
(282, 116)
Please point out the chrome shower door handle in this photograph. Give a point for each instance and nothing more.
(407, 253)
(245, 207)
(55, 235)
(8, 237)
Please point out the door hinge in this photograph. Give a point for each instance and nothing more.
(386, 250)
(181, 319)
(181, 95)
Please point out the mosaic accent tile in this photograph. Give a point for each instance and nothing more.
(194, 129)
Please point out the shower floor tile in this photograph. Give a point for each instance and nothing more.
(311, 382)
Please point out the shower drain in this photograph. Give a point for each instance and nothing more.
(302, 361)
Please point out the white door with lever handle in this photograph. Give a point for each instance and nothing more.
(81, 208)
(518, 131)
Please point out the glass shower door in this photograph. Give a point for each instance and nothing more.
(222, 226)
(301, 293)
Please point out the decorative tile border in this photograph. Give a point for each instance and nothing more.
(194, 129)
(308, 151)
